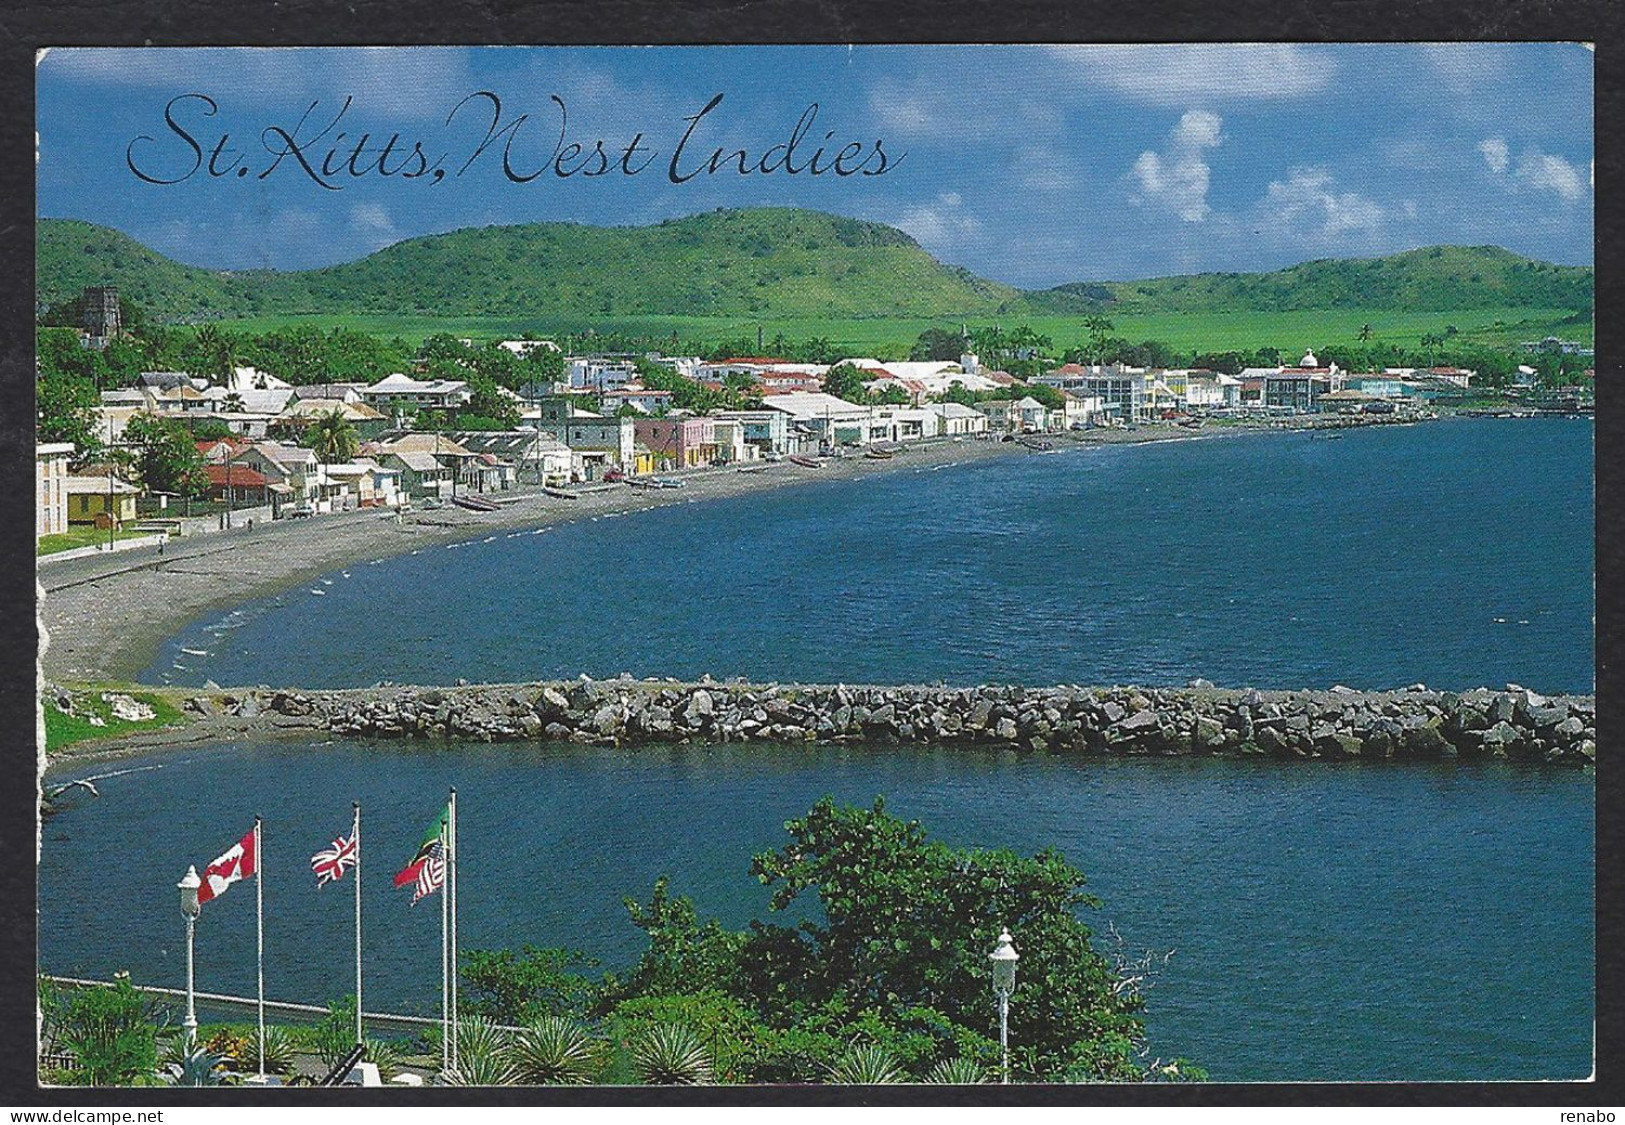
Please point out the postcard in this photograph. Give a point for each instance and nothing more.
(815, 566)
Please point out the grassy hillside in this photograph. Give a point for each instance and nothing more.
(773, 264)
(1435, 278)
(724, 263)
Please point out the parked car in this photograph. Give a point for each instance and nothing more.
(614, 476)
(301, 511)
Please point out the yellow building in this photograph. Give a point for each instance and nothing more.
(88, 501)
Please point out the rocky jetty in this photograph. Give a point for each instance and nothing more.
(1417, 723)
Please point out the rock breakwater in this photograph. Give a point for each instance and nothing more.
(1340, 723)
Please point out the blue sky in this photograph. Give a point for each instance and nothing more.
(1030, 165)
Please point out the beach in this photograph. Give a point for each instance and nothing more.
(105, 616)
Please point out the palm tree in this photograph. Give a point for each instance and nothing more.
(214, 352)
(333, 438)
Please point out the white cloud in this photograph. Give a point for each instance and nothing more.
(1181, 74)
(1545, 172)
(1462, 66)
(1177, 178)
(1537, 171)
(1308, 205)
(941, 225)
(1495, 153)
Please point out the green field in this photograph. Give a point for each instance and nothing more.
(63, 729)
(887, 338)
(81, 537)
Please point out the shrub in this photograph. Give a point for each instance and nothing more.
(671, 1055)
(113, 1032)
(957, 1072)
(554, 1051)
(865, 1064)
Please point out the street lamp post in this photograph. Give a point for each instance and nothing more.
(1004, 958)
(188, 886)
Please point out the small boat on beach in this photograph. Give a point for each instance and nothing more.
(558, 493)
(805, 462)
(878, 454)
(474, 503)
(751, 468)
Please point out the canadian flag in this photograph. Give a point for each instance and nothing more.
(240, 862)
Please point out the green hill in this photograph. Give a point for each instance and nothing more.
(1434, 279)
(790, 263)
(783, 263)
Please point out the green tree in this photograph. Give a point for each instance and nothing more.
(907, 923)
(938, 344)
(65, 410)
(113, 1033)
(845, 382)
(520, 988)
(213, 354)
(488, 402)
(333, 438)
(166, 458)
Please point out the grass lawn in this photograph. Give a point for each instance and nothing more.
(886, 338)
(63, 729)
(80, 537)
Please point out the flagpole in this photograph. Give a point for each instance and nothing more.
(451, 878)
(445, 994)
(356, 836)
(259, 936)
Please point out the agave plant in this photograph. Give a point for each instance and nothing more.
(482, 1056)
(671, 1054)
(957, 1072)
(279, 1048)
(865, 1064)
(198, 1066)
(387, 1055)
(553, 1051)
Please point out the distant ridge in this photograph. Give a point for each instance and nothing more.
(786, 263)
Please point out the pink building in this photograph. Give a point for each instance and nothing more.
(678, 443)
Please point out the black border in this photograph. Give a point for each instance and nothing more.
(406, 22)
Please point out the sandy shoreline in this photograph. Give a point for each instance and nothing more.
(106, 617)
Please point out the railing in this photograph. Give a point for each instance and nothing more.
(316, 1011)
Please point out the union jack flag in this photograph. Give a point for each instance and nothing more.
(329, 864)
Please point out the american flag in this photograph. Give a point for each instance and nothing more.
(431, 872)
(329, 864)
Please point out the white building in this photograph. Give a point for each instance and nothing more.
(958, 420)
(51, 500)
(834, 421)
(395, 392)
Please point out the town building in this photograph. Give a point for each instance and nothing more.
(102, 320)
(766, 430)
(678, 442)
(99, 500)
(598, 443)
(396, 393)
(51, 500)
(958, 420)
(829, 420)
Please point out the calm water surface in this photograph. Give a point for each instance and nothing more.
(1330, 921)
(1456, 553)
